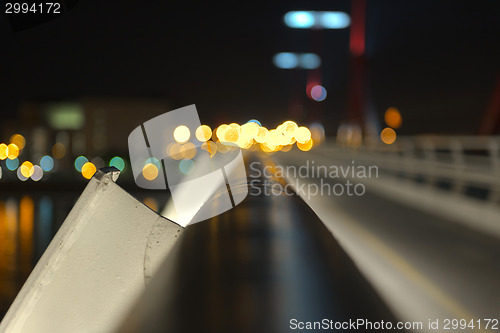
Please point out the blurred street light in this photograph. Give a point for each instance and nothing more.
(317, 20)
(289, 60)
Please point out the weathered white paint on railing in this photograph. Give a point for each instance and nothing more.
(94, 268)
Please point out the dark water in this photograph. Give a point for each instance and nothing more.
(27, 225)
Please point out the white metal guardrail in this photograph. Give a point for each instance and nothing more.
(96, 265)
(460, 164)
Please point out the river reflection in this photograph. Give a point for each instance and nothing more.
(27, 225)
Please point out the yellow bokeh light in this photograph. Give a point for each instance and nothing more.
(305, 146)
(275, 138)
(4, 151)
(317, 133)
(88, 170)
(268, 148)
(244, 143)
(289, 127)
(231, 135)
(252, 136)
(262, 135)
(182, 134)
(214, 135)
(210, 147)
(188, 150)
(27, 169)
(18, 140)
(234, 125)
(203, 133)
(150, 171)
(302, 134)
(221, 130)
(249, 130)
(58, 150)
(388, 135)
(393, 118)
(174, 151)
(222, 148)
(12, 151)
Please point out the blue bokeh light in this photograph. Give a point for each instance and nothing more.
(334, 20)
(79, 162)
(286, 60)
(299, 19)
(156, 162)
(309, 61)
(12, 164)
(117, 162)
(318, 93)
(47, 163)
(186, 166)
(254, 121)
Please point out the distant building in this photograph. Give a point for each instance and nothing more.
(90, 126)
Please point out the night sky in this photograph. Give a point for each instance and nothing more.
(437, 61)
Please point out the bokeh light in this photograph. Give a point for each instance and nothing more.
(18, 140)
(262, 135)
(150, 171)
(58, 150)
(156, 162)
(255, 121)
(231, 135)
(249, 131)
(334, 20)
(302, 134)
(12, 151)
(186, 166)
(305, 146)
(88, 170)
(221, 130)
(393, 118)
(299, 19)
(249, 136)
(27, 169)
(117, 162)
(289, 127)
(37, 173)
(188, 150)
(4, 151)
(20, 175)
(286, 60)
(203, 133)
(174, 151)
(12, 164)
(388, 135)
(317, 133)
(210, 147)
(79, 162)
(318, 93)
(182, 134)
(309, 61)
(46, 163)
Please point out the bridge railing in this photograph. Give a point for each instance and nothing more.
(464, 165)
